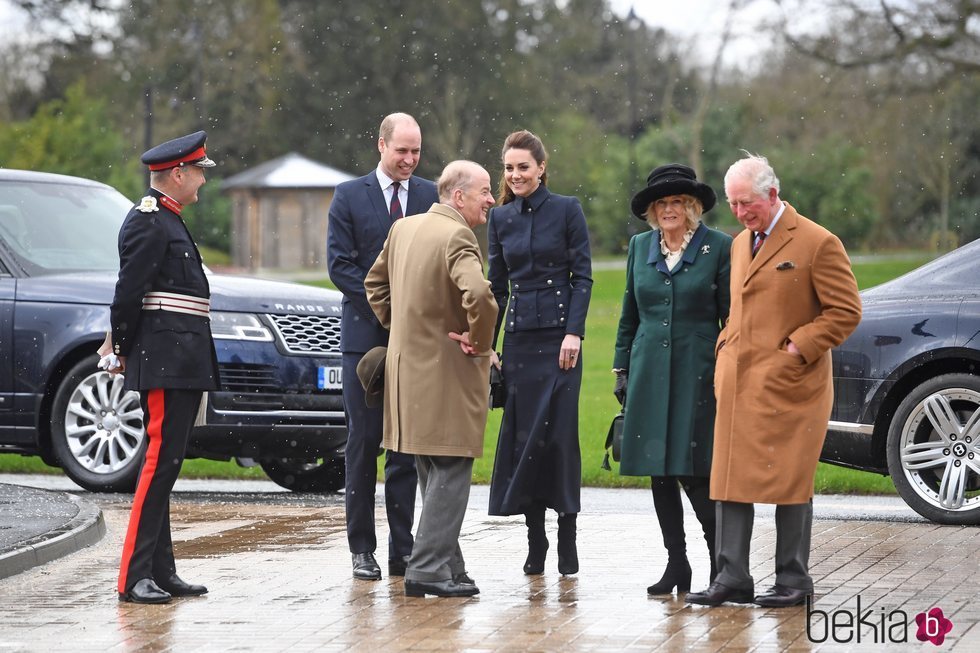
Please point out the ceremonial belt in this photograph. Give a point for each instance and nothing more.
(176, 303)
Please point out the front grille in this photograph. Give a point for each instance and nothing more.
(241, 377)
(308, 334)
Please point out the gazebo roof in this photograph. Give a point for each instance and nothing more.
(288, 171)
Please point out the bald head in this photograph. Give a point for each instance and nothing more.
(465, 186)
(393, 120)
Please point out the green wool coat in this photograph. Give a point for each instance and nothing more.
(666, 341)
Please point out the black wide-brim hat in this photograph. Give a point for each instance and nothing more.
(371, 372)
(672, 179)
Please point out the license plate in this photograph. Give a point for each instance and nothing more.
(329, 378)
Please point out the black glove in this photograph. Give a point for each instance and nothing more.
(620, 389)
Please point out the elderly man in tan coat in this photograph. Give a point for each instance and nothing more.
(427, 287)
(794, 298)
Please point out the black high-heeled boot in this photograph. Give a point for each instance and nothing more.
(698, 492)
(670, 514)
(567, 547)
(537, 541)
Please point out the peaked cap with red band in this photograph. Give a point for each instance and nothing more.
(184, 151)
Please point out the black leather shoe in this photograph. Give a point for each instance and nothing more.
(716, 594)
(780, 596)
(397, 566)
(365, 566)
(177, 587)
(447, 588)
(145, 591)
(463, 579)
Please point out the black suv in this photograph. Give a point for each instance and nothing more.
(278, 348)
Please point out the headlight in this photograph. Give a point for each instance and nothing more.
(238, 326)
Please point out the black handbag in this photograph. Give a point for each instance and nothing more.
(498, 391)
(614, 440)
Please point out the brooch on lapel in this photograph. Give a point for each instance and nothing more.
(786, 265)
(148, 205)
(705, 249)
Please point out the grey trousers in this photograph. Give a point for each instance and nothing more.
(445, 485)
(734, 531)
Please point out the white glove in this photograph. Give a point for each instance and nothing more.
(109, 362)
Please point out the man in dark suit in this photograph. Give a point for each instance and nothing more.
(161, 340)
(361, 213)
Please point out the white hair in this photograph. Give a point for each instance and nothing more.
(756, 169)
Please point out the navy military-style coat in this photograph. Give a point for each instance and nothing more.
(357, 227)
(540, 261)
(163, 349)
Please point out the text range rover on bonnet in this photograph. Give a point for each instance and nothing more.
(278, 348)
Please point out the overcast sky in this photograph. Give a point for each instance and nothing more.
(700, 22)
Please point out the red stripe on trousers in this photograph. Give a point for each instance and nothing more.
(154, 431)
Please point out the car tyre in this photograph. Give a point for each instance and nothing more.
(934, 449)
(298, 475)
(97, 429)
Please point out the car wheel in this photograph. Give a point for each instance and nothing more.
(298, 475)
(934, 449)
(97, 429)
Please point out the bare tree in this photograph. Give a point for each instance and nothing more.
(942, 36)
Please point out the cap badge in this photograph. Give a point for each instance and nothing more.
(148, 205)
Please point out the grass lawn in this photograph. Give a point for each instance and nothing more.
(597, 404)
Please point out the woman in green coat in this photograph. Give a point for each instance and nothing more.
(676, 301)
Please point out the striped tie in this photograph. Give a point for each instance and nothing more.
(759, 239)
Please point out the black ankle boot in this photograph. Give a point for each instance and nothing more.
(567, 547)
(676, 574)
(537, 541)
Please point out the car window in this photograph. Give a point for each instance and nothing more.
(50, 227)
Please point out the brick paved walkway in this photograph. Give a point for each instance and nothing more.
(279, 575)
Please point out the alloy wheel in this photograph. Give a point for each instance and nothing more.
(104, 424)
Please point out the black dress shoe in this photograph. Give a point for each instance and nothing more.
(397, 566)
(716, 594)
(177, 587)
(463, 579)
(365, 566)
(447, 588)
(780, 596)
(145, 591)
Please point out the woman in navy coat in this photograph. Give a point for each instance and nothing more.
(676, 300)
(540, 263)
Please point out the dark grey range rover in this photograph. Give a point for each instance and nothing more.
(278, 347)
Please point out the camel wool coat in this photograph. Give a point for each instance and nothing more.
(427, 282)
(773, 405)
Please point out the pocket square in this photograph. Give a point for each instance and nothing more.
(786, 265)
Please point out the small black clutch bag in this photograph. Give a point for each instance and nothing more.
(498, 391)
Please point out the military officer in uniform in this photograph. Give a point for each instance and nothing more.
(161, 340)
